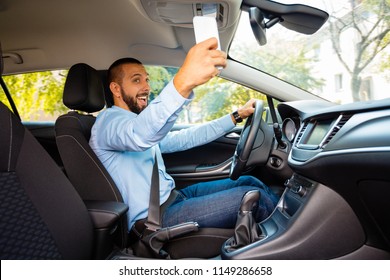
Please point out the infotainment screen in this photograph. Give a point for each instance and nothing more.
(317, 132)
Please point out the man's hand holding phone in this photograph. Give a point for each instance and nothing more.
(204, 60)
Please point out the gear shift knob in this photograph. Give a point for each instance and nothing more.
(246, 230)
(250, 201)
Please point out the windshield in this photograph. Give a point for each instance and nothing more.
(347, 60)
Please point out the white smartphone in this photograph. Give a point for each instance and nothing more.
(205, 27)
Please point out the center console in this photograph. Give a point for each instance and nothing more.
(308, 222)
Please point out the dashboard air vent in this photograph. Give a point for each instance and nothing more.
(338, 125)
(301, 132)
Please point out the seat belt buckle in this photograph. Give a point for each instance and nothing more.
(150, 228)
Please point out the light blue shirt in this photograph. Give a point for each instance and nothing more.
(126, 144)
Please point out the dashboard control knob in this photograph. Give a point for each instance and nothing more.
(288, 183)
(295, 187)
(275, 162)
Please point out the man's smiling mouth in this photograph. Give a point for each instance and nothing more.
(143, 99)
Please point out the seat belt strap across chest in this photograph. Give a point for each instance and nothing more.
(153, 221)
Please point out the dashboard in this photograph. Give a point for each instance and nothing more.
(347, 149)
(314, 128)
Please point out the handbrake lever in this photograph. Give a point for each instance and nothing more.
(158, 239)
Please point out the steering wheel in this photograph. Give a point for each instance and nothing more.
(246, 141)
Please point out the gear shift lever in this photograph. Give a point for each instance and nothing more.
(247, 230)
(250, 201)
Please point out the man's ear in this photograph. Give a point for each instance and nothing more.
(115, 89)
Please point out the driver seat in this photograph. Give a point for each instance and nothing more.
(84, 91)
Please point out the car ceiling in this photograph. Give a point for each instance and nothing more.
(55, 34)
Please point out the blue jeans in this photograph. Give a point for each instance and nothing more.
(216, 203)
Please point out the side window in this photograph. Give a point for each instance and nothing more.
(38, 95)
(214, 99)
(217, 98)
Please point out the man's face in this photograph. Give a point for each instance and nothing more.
(135, 87)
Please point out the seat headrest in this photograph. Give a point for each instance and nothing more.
(84, 90)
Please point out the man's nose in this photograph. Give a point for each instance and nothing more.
(146, 86)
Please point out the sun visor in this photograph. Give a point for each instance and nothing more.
(181, 14)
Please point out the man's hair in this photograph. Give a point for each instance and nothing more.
(115, 73)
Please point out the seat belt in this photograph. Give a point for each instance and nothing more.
(155, 237)
(153, 221)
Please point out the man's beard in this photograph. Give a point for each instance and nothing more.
(132, 102)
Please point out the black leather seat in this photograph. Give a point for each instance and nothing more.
(84, 95)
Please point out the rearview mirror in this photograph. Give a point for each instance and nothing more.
(259, 29)
(297, 17)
